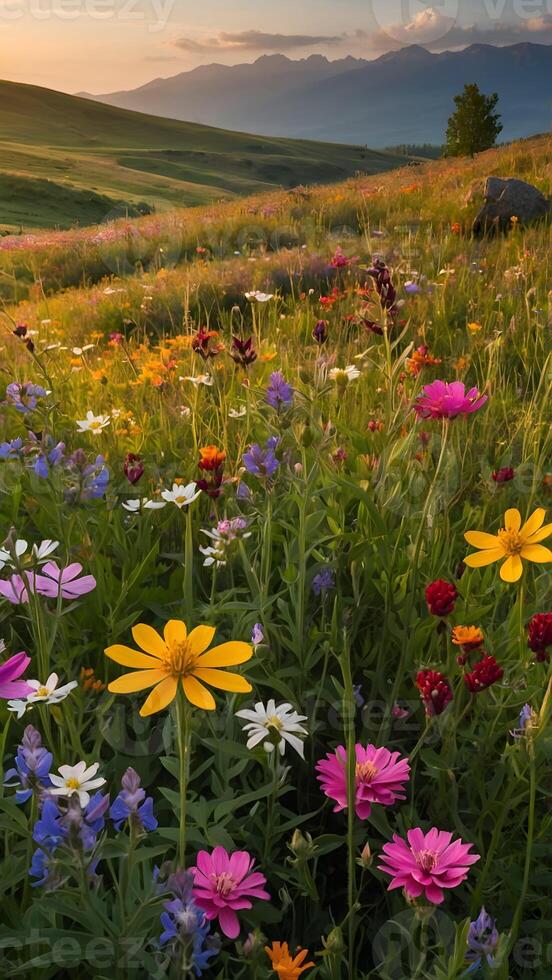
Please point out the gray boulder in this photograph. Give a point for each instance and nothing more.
(504, 200)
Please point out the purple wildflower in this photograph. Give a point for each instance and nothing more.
(257, 635)
(323, 582)
(12, 450)
(32, 765)
(482, 941)
(24, 397)
(279, 393)
(185, 926)
(262, 462)
(133, 805)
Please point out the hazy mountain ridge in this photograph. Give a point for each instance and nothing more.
(403, 96)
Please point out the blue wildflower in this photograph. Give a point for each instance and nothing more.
(12, 450)
(185, 926)
(262, 462)
(323, 582)
(482, 941)
(279, 393)
(132, 804)
(32, 765)
(48, 457)
(24, 397)
(68, 830)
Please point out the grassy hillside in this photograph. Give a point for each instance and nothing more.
(100, 161)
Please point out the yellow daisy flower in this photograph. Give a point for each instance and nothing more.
(178, 656)
(512, 543)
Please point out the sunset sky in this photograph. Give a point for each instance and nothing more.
(103, 45)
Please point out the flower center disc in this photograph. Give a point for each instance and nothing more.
(224, 883)
(72, 783)
(426, 860)
(511, 541)
(365, 771)
(179, 661)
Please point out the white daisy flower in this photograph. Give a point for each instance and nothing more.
(135, 505)
(213, 556)
(274, 725)
(259, 296)
(201, 379)
(342, 376)
(77, 779)
(48, 693)
(79, 351)
(237, 413)
(181, 496)
(39, 552)
(93, 423)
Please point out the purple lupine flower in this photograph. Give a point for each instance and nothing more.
(257, 635)
(482, 941)
(132, 804)
(50, 455)
(12, 450)
(91, 479)
(185, 925)
(279, 393)
(24, 397)
(32, 765)
(323, 582)
(262, 462)
(66, 831)
(320, 331)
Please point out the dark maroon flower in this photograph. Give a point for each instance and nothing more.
(320, 331)
(441, 597)
(435, 691)
(133, 468)
(484, 673)
(22, 331)
(504, 475)
(204, 343)
(385, 288)
(242, 351)
(540, 635)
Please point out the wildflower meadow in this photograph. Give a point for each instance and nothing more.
(275, 603)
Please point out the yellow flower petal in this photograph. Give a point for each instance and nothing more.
(200, 638)
(536, 552)
(224, 680)
(512, 519)
(149, 640)
(481, 540)
(175, 632)
(482, 558)
(540, 535)
(512, 568)
(128, 657)
(533, 523)
(139, 681)
(160, 697)
(226, 655)
(197, 694)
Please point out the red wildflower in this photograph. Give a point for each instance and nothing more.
(212, 462)
(540, 635)
(204, 345)
(435, 691)
(441, 597)
(484, 673)
(504, 475)
(242, 351)
(133, 468)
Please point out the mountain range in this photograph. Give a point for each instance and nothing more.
(404, 96)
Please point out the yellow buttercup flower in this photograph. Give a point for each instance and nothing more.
(512, 543)
(178, 656)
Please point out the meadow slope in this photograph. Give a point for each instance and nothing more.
(67, 161)
(284, 468)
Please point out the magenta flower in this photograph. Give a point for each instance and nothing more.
(427, 863)
(441, 400)
(14, 589)
(64, 579)
(223, 884)
(379, 778)
(10, 671)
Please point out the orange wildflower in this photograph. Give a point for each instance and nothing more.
(284, 965)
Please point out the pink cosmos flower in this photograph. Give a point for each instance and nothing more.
(66, 579)
(223, 884)
(10, 671)
(441, 400)
(14, 589)
(380, 775)
(427, 863)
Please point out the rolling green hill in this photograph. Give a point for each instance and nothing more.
(66, 160)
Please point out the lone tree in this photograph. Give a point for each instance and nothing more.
(475, 125)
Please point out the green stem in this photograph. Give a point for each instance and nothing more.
(516, 921)
(183, 735)
(349, 733)
(188, 566)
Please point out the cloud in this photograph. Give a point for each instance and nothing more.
(436, 31)
(257, 41)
